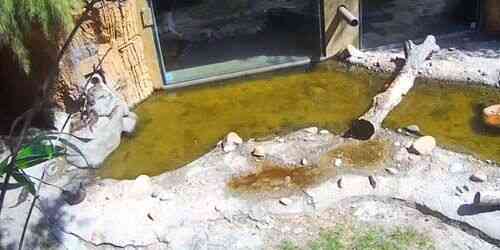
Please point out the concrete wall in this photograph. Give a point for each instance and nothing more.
(338, 33)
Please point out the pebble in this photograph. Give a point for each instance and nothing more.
(324, 132)
(312, 130)
(338, 162)
(392, 171)
(304, 162)
(397, 144)
(479, 177)
(258, 151)
(285, 201)
(423, 145)
(231, 142)
(413, 129)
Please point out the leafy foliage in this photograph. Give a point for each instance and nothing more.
(17, 18)
(39, 150)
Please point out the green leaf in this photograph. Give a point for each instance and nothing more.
(25, 181)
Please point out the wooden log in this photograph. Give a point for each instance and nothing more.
(487, 198)
(366, 126)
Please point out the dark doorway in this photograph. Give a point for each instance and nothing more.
(394, 21)
(206, 39)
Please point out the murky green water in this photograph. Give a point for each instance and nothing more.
(178, 127)
(452, 114)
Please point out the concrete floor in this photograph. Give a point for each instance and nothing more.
(394, 21)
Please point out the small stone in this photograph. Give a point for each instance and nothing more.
(397, 144)
(281, 140)
(338, 162)
(392, 171)
(413, 129)
(258, 151)
(311, 130)
(231, 142)
(423, 145)
(286, 201)
(304, 162)
(324, 132)
(479, 177)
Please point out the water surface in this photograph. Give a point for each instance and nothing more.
(177, 127)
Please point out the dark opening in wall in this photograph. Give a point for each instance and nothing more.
(394, 21)
(211, 38)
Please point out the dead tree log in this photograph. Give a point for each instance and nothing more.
(487, 198)
(366, 126)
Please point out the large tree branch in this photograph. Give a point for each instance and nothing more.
(383, 103)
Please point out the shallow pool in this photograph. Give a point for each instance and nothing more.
(177, 127)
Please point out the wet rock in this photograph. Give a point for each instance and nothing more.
(311, 130)
(231, 142)
(423, 145)
(479, 176)
(392, 171)
(456, 168)
(258, 151)
(414, 129)
(286, 201)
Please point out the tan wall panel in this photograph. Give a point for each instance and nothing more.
(150, 52)
(338, 33)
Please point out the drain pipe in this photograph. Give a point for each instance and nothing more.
(348, 16)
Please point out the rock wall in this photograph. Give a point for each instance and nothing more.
(113, 35)
(492, 16)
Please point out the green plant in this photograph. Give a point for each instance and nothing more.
(17, 18)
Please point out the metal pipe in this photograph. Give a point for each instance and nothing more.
(348, 16)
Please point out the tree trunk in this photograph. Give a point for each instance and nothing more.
(366, 126)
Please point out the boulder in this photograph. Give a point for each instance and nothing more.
(423, 145)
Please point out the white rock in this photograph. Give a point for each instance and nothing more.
(392, 171)
(324, 132)
(304, 162)
(142, 186)
(311, 130)
(286, 201)
(397, 144)
(281, 140)
(423, 145)
(479, 176)
(338, 162)
(413, 129)
(258, 151)
(231, 142)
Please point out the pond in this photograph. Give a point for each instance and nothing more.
(177, 127)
